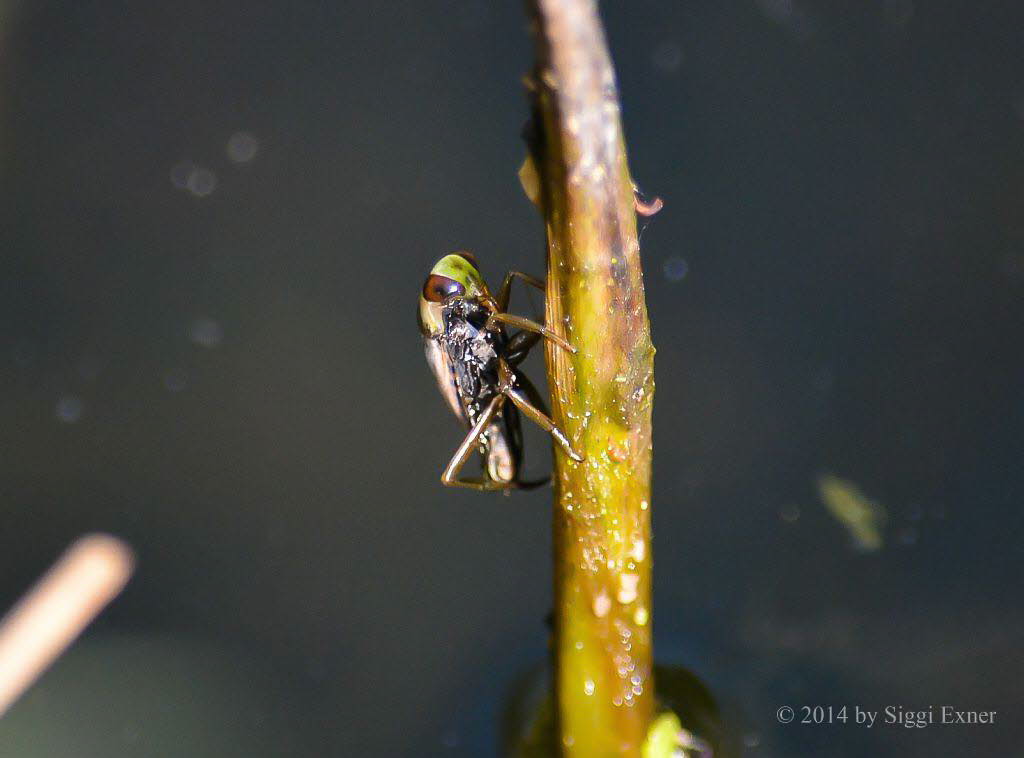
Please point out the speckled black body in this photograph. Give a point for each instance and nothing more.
(472, 357)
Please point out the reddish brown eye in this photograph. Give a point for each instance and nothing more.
(438, 287)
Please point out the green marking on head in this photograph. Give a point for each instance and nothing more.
(455, 274)
(461, 268)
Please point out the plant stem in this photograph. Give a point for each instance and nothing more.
(602, 395)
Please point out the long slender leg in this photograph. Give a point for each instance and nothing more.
(519, 347)
(518, 321)
(530, 485)
(449, 477)
(532, 393)
(529, 326)
(534, 414)
(506, 287)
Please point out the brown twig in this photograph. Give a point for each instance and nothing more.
(602, 395)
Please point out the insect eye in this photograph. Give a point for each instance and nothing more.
(438, 287)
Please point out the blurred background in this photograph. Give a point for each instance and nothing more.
(216, 219)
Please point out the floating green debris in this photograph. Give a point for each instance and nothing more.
(862, 517)
(667, 738)
(662, 740)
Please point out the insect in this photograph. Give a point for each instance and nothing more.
(474, 360)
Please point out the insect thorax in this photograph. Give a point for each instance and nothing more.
(473, 352)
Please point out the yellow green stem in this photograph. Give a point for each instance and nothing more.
(602, 395)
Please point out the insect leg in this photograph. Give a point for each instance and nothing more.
(519, 346)
(449, 477)
(535, 397)
(541, 419)
(531, 393)
(531, 485)
(525, 324)
(506, 287)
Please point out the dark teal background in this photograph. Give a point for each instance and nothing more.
(844, 183)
